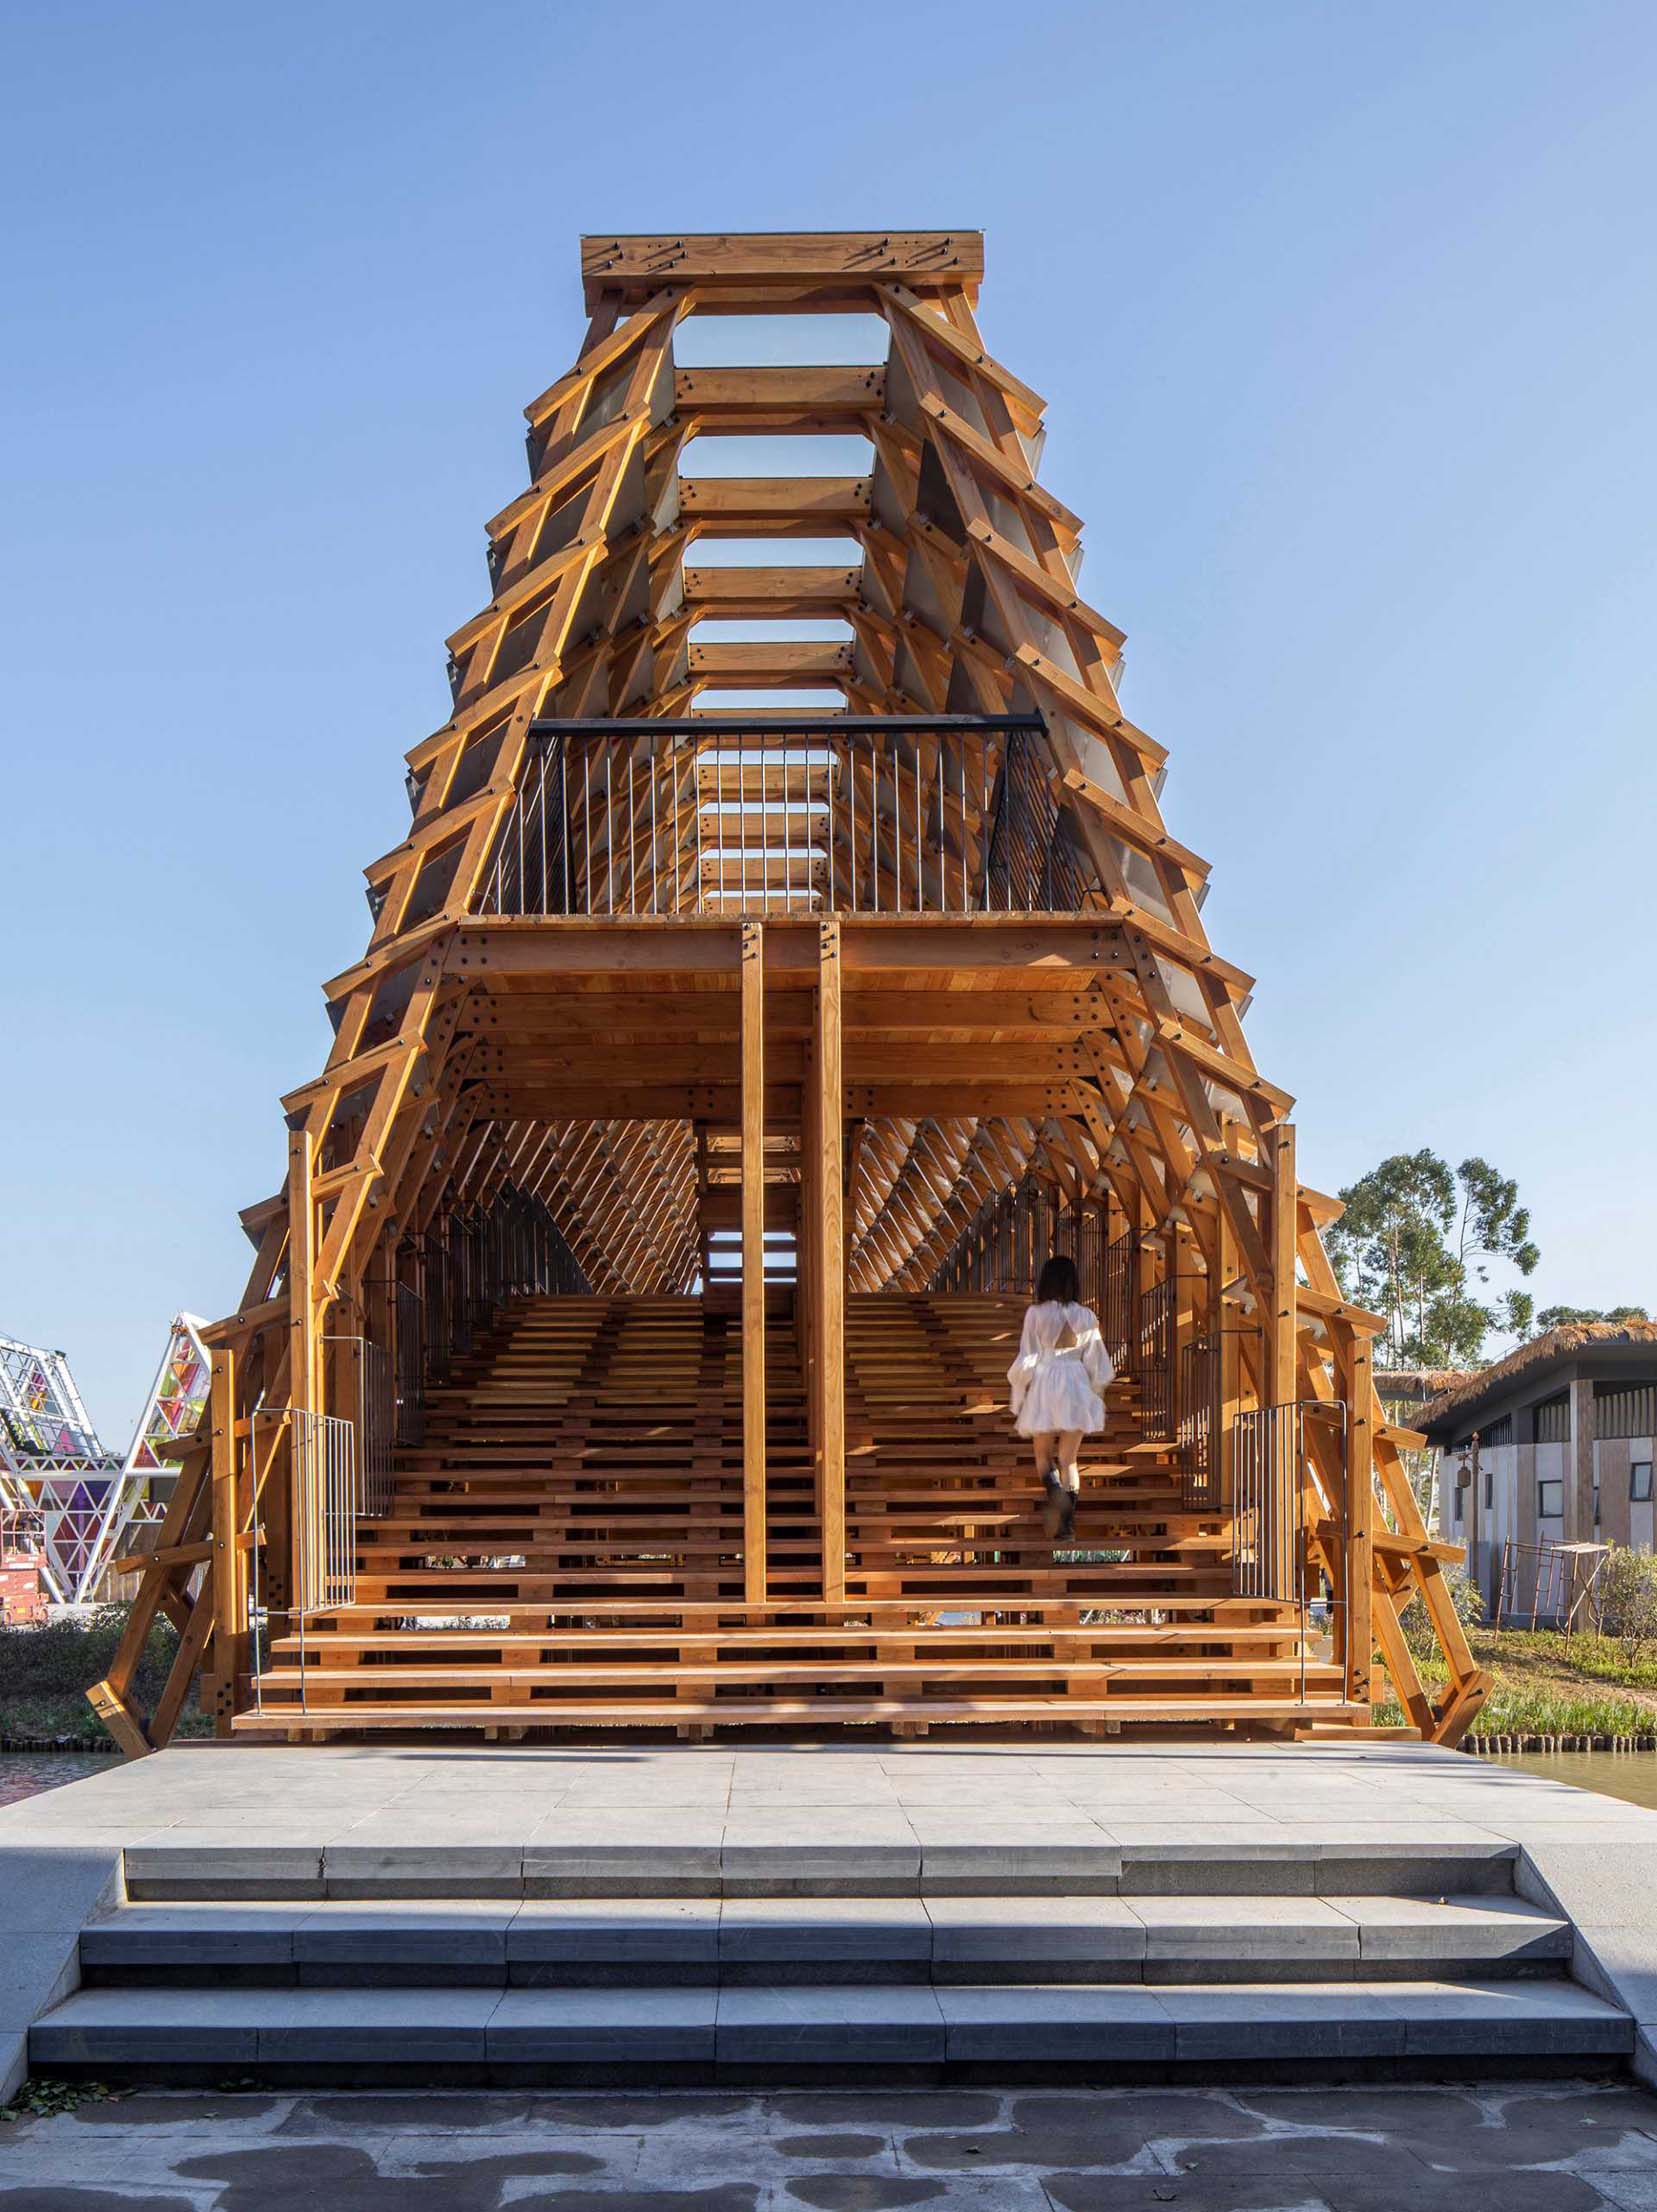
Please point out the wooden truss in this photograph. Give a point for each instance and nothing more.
(662, 1069)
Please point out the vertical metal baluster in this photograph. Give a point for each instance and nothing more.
(961, 827)
(920, 838)
(632, 834)
(564, 819)
(518, 811)
(587, 817)
(853, 749)
(876, 752)
(611, 888)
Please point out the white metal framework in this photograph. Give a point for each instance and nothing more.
(57, 1476)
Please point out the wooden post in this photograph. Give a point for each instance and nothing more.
(753, 1264)
(302, 1340)
(829, 1255)
(1360, 1520)
(229, 1603)
(1282, 1366)
(1228, 1362)
(301, 1272)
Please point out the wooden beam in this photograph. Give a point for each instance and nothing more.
(635, 266)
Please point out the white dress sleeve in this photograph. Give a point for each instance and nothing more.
(1095, 1359)
(1018, 1375)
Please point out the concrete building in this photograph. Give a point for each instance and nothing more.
(1552, 1445)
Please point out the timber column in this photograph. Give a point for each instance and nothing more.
(754, 1565)
(826, 1173)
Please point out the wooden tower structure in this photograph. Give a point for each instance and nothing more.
(626, 1345)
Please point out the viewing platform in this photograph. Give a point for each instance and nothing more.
(417, 1911)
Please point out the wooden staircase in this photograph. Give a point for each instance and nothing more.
(564, 1549)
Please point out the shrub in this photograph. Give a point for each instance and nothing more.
(1417, 1623)
(46, 1671)
(1627, 1593)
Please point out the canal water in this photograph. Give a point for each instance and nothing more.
(1630, 1775)
(27, 1773)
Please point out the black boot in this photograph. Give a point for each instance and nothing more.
(1066, 1529)
(1053, 1495)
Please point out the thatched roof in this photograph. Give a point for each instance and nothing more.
(1414, 1385)
(1465, 1393)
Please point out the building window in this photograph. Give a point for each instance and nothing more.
(1639, 1481)
(1596, 1505)
(1489, 1489)
(1550, 1501)
(1553, 1420)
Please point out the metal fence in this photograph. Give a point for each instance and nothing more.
(1115, 1303)
(1268, 1451)
(325, 1509)
(1199, 1421)
(364, 1387)
(1154, 1360)
(856, 814)
(453, 1279)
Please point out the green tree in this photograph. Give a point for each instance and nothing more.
(1417, 1243)
(1561, 1317)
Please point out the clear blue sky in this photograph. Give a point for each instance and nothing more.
(1346, 314)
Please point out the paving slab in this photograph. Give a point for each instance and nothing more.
(1459, 1928)
(603, 2027)
(885, 1937)
(132, 2027)
(205, 1932)
(321, 2028)
(1238, 1929)
(1023, 2022)
(856, 2026)
(643, 1931)
(1086, 1933)
(453, 1864)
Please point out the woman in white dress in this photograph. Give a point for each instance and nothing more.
(1058, 1384)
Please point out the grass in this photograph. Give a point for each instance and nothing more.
(45, 1673)
(1551, 1685)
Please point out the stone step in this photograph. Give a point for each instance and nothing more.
(782, 2032)
(715, 1854)
(854, 1940)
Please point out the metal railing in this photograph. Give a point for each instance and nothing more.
(1268, 1455)
(452, 1280)
(325, 1509)
(368, 1394)
(1004, 1245)
(1115, 1301)
(1199, 1421)
(1153, 1360)
(949, 814)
